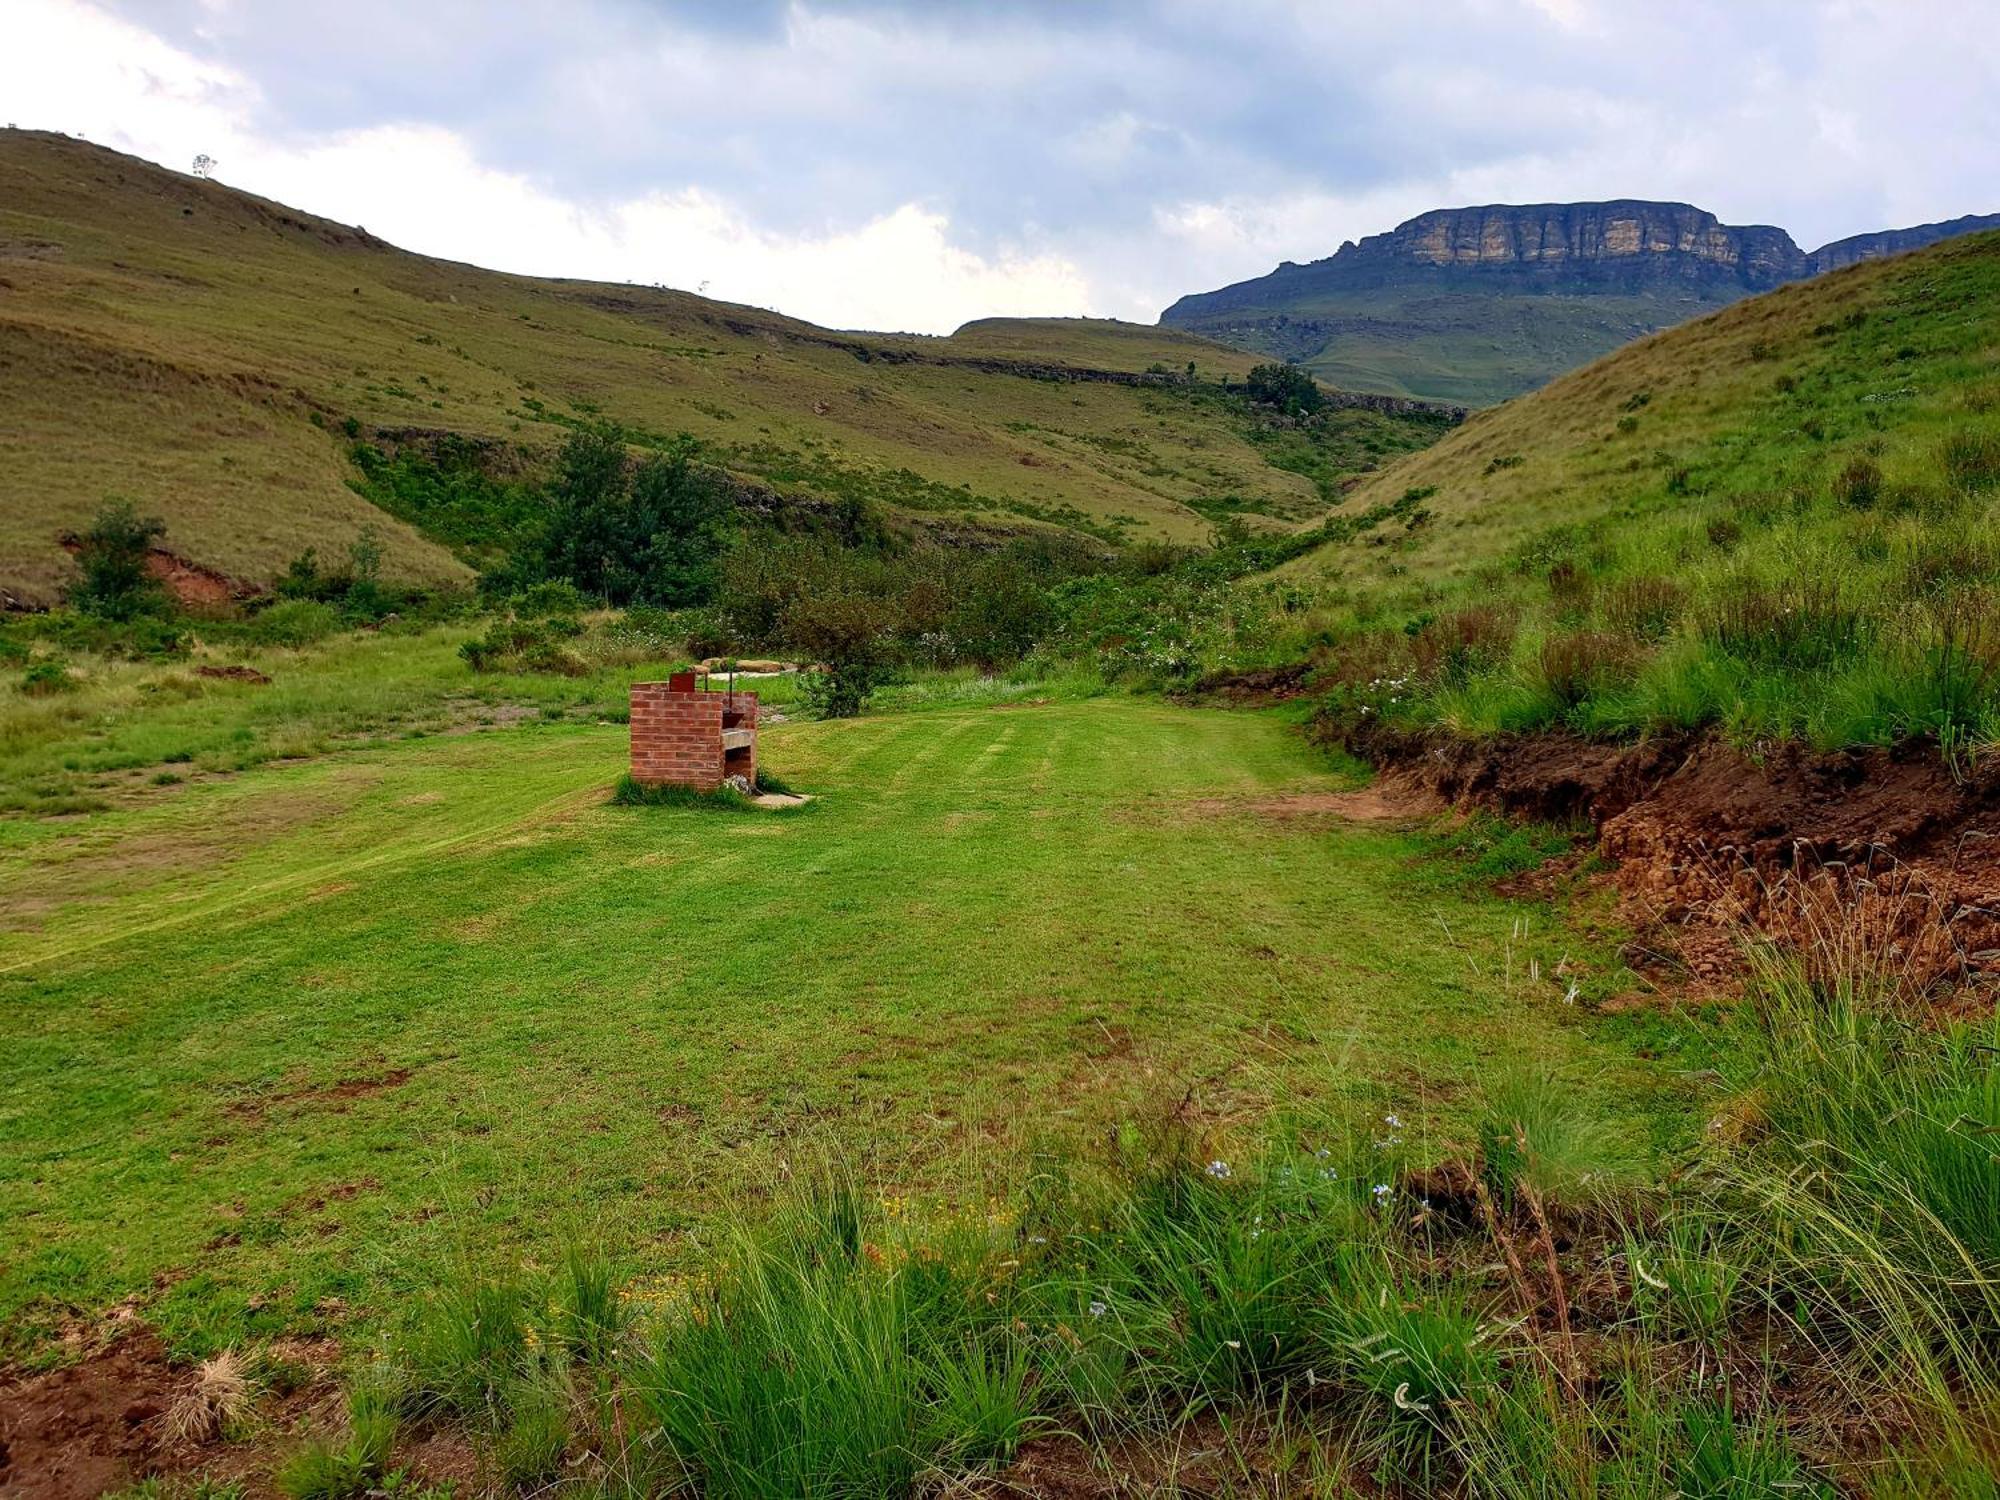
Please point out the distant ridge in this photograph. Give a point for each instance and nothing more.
(1479, 304)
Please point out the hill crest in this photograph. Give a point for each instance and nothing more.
(1438, 306)
(215, 357)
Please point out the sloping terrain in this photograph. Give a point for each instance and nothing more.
(212, 356)
(1768, 397)
(1475, 305)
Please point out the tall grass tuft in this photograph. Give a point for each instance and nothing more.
(835, 1358)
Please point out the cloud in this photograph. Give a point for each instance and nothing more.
(421, 186)
(906, 163)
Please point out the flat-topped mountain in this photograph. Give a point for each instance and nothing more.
(1478, 304)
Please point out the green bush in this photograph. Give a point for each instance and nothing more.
(296, 622)
(46, 679)
(114, 555)
(1290, 388)
(514, 645)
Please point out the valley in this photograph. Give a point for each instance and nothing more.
(186, 344)
(1281, 938)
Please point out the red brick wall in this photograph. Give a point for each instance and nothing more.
(677, 737)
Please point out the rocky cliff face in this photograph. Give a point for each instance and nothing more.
(1561, 236)
(1477, 304)
(1893, 242)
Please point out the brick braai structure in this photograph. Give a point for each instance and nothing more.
(686, 737)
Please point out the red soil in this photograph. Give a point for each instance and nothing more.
(1887, 846)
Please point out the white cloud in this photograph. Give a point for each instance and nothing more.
(421, 187)
(905, 164)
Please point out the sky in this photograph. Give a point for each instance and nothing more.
(912, 164)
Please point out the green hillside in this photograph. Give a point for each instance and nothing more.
(1777, 517)
(214, 357)
(1477, 305)
(1470, 344)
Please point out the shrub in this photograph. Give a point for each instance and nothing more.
(46, 679)
(849, 635)
(296, 621)
(552, 597)
(527, 646)
(653, 532)
(1287, 387)
(114, 556)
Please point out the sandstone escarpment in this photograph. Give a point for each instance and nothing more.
(1560, 236)
(1478, 304)
(1893, 242)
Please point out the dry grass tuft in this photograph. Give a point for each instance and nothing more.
(219, 1397)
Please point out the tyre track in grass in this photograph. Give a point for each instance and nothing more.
(199, 909)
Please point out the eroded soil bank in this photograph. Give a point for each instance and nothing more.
(1890, 848)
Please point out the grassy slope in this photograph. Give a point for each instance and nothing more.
(635, 1014)
(171, 340)
(1476, 349)
(1467, 343)
(1771, 393)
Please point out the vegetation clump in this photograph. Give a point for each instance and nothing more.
(1289, 388)
(114, 556)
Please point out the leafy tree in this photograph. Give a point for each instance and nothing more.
(116, 584)
(1287, 387)
(650, 533)
(852, 635)
(1002, 611)
(686, 513)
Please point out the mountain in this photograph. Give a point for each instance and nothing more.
(1749, 416)
(1479, 304)
(218, 358)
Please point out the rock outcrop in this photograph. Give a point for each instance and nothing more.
(1893, 242)
(1563, 238)
(1490, 301)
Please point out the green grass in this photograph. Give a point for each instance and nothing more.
(442, 990)
(1778, 521)
(1464, 339)
(217, 365)
(1293, 1300)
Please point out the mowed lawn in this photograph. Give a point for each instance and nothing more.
(277, 1041)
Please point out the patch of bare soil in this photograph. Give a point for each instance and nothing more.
(189, 582)
(88, 1427)
(125, 1412)
(1254, 688)
(1878, 846)
(338, 1094)
(236, 673)
(1384, 801)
